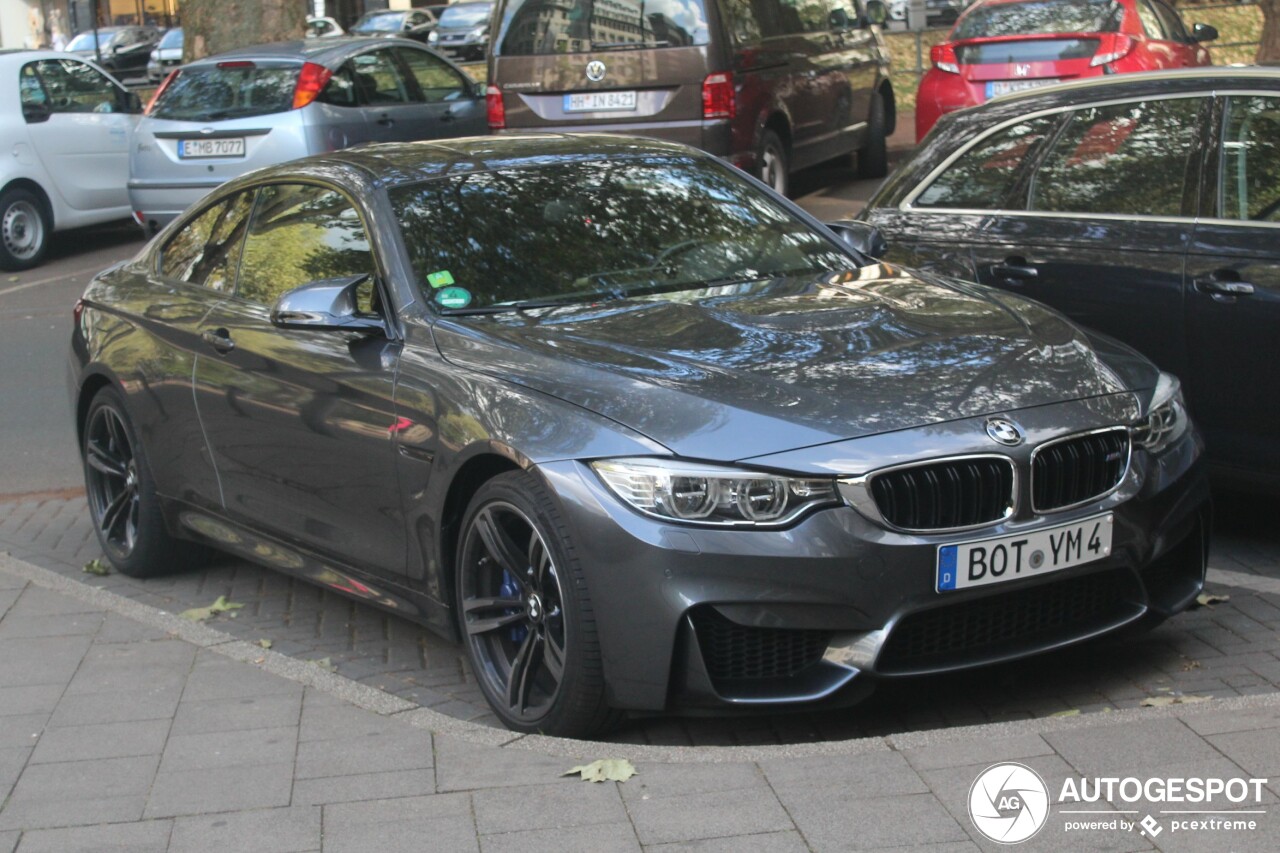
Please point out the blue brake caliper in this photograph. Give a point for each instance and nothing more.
(510, 589)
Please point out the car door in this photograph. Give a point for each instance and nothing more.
(341, 114)
(80, 127)
(385, 95)
(299, 421)
(195, 270)
(449, 103)
(937, 222)
(1106, 216)
(1233, 294)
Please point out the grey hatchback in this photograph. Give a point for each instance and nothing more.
(222, 116)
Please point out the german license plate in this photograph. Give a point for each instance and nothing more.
(1024, 555)
(590, 102)
(192, 148)
(1003, 87)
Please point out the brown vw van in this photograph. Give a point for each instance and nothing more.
(770, 85)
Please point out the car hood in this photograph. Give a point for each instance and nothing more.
(732, 372)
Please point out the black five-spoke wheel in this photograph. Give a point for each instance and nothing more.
(525, 614)
(111, 479)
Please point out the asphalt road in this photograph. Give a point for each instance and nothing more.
(37, 441)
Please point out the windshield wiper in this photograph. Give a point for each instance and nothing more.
(523, 305)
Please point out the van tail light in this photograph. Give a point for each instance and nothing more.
(943, 57)
(496, 109)
(160, 91)
(1113, 46)
(311, 82)
(718, 98)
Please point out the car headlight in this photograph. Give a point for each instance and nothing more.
(707, 494)
(1166, 418)
(433, 37)
(479, 31)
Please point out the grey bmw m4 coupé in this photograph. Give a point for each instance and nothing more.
(640, 433)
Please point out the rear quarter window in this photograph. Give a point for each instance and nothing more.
(213, 93)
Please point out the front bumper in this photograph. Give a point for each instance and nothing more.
(703, 618)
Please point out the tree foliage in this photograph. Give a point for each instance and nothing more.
(215, 26)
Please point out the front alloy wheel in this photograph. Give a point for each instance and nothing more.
(525, 614)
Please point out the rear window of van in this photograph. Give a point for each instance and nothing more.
(539, 27)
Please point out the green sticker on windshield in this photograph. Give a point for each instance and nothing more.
(443, 278)
(454, 297)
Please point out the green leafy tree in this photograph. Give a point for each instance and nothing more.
(215, 26)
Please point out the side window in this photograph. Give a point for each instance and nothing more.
(377, 79)
(983, 177)
(1249, 180)
(1125, 158)
(820, 16)
(207, 251)
(1151, 24)
(300, 233)
(745, 25)
(74, 87)
(788, 16)
(33, 93)
(340, 91)
(437, 81)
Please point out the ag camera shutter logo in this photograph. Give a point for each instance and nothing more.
(1008, 802)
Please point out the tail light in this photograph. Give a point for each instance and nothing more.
(311, 82)
(718, 99)
(497, 111)
(1113, 46)
(160, 91)
(943, 57)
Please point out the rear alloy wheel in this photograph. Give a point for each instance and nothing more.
(24, 230)
(122, 497)
(525, 613)
(771, 160)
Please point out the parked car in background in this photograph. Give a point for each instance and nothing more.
(463, 31)
(938, 13)
(323, 27)
(1146, 207)
(65, 130)
(1002, 46)
(639, 431)
(222, 116)
(410, 23)
(167, 55)
(124, 51)
(770, 86)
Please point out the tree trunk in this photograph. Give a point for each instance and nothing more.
(215, 26)
(1269, 47)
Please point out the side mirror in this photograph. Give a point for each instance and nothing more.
(36, 113)
(877, 12)
(1203, 32)
(325, 305)
(863, 238)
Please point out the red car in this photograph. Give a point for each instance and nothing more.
(1001, 46)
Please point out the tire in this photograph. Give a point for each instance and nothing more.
(772, 165)
(122, 496)
(24, 230)
(873, 157)
(525, 614)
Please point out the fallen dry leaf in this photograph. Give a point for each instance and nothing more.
(604, 770)
(1190, 665)
(1208, 599)
(97, 567)
(1165, 701)
(265, 643)
(325, 664)
(201, 614)
(1074, 712)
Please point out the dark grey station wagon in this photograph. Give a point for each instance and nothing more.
(638, 431)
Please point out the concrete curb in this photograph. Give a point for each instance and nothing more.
(385, 704)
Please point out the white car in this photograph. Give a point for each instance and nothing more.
(65, 130)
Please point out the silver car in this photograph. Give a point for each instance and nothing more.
(226, 115)
(167, 55)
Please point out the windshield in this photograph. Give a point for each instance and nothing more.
(535, 27)
(465, 15)
(172, 39)
(381, 22)
(211, 94)
(84, 41)
(1039, 16)
(600, 229)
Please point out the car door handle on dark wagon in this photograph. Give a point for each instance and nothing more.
(219, 339)
(1014, 268)
(1221, 283)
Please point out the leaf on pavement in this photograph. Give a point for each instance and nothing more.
(1165, 701)
(1074, 712)
(1208, 599)
(202, 614)
(97, 567)
(604, 770)
(325, 664)
(266, 644)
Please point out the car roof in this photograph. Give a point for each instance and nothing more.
(319, 51)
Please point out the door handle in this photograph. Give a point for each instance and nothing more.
(386, 120)
(219, 339)
(1014, 269)
(1223, 284)
(447, 115)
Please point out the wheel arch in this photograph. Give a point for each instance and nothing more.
(89, 388)
(39, 192)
